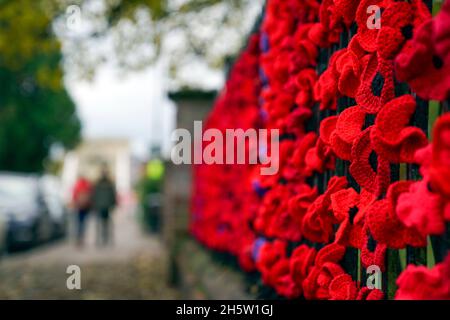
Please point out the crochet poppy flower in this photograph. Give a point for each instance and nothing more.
(295, 121)
(422, 209)
(317, 225)
(300, 202)
(301, 262)
(373, 253)
(280, 279)
(377, 84)
(303, 48)
(349, 209)
(269, 254)
(349, 71)
(275, 269)
(368, 36)
(424, 61)
(324, 271)
(399, 21)
(370, 294)
(326, 88)
(339, 132)
(347, 10)
(426, 206)
(421, 283)
(342, 287)
(305, 81)
(297, 165)
(273, 218)
(391, 136)
(369, 169)
(439, 168)
(384, 225)
(319, 158)
(328, 29)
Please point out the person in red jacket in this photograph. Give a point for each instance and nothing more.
(81, 199)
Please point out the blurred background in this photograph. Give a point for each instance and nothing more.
(96, 87)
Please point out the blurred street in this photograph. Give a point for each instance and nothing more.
(134, 268)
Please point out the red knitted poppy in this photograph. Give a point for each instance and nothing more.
(305, 82)
(372, 252)
(439, 169)
(420, 283)
(425, 60)
(399, 21)
(377, 84)
(342, 287)
(368, 37)
(317, 225)
(384, 224)
(324, 271)
(370, 170)
(349, 209)
(391, 138)
(301, 262)
(422, 209)
(370, 294)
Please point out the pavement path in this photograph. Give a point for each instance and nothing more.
(135, 267)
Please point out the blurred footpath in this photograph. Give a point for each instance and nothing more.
(133, 268)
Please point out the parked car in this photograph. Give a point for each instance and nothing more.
(23, 207)
(3, 235)
(52, 193)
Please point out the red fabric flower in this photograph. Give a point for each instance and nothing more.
(372, 252)
(300, 202)
(339, 132)
(342, 287)
(439, 169)
(421, 283)
(324, 271)
(326, 88)
(368, 37)
(275, 269)
(377, 84)
(370, 170)
(301, 262)
(305, 81)
(317, 225)
(424, 61)
(426, 205)
(384, 225)
(349, 209)
(370, 294)
(391, 136)
(399, 22)
(423, 210)
(349, 71)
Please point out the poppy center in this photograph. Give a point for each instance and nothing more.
(437, 62)
(352, 213)
(377, 84)
(371, 243)
(373, 161)
(407, 31)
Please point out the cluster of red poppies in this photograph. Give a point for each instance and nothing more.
(350, 125)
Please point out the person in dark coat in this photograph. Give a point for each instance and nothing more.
(104, 201)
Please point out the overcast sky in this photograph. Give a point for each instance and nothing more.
(133, 106)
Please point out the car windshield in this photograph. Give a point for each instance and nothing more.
(16, 189)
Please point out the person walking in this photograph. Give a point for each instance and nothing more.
(81, 199)
(104, 200)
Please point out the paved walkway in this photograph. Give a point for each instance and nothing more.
(134, 268)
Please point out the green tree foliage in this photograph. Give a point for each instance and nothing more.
(35, 109)
(143, 31)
